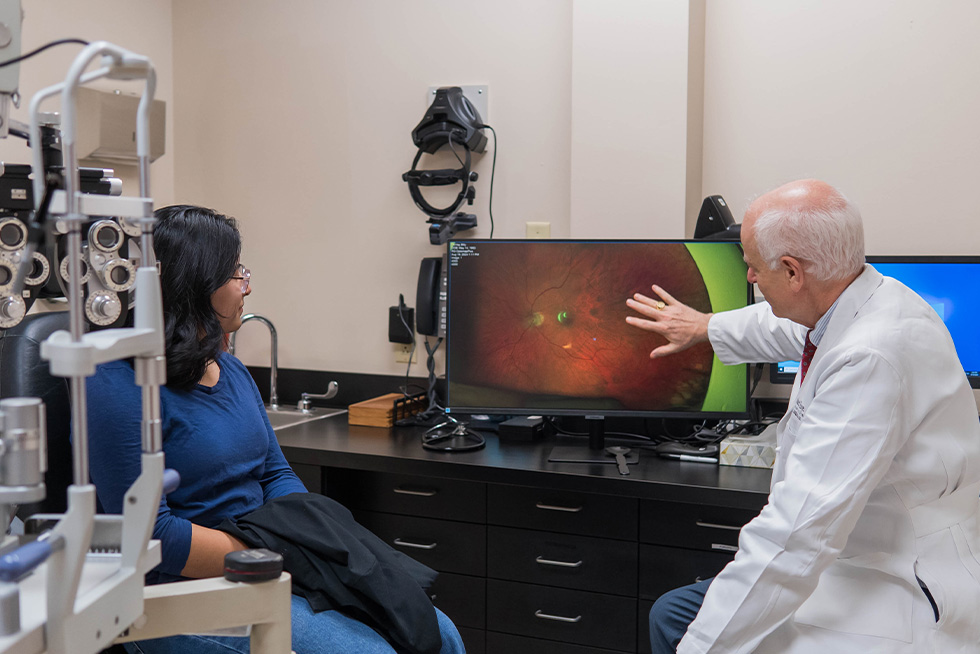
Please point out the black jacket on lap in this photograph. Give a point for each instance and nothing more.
(338, 564)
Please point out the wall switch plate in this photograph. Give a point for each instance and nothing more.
(403, 351)
(537, 230)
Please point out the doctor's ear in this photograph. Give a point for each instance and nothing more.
(793, 269)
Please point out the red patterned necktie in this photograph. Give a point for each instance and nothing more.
(808, 351)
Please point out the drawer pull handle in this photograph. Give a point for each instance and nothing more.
(714, 525)
(416, 493)
(559, 564)
(418, 546)
(718, 547)
(552, 507)
(556, 618)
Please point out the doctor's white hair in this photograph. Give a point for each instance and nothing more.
(828, 238)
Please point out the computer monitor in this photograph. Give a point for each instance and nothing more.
(538, 327)
(949, 284)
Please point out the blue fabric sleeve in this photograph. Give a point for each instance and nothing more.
(115, 450)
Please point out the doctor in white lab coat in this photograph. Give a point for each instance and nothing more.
(869, 542)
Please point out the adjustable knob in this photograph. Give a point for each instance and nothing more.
(105, 235)
(86, 270)
(8, 271)
(103, 308)
(12, 310)
(119, 274)
(13, 234)
(40, 269)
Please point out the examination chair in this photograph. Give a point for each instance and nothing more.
(197, 605)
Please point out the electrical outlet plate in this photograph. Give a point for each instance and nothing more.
(537, 230)
(403, 351)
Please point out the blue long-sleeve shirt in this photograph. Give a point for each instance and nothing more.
(218, 438)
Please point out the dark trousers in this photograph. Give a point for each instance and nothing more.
(673, 613)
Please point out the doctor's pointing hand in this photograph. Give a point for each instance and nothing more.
(681, 325)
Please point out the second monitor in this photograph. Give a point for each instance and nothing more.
(949, 284)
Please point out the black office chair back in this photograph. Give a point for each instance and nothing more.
(24, 374)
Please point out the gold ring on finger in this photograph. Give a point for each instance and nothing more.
(660, 305)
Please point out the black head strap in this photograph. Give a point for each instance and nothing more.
(440, 177)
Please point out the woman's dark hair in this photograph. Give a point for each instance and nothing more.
(198, 250)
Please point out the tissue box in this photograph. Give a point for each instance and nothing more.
(749, 451)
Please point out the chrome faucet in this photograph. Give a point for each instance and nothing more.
(273, 395)
(305, 406)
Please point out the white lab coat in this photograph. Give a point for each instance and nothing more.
(876, 480)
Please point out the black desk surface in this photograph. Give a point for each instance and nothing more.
(332, 442)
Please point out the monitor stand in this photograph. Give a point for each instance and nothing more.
(596, 451)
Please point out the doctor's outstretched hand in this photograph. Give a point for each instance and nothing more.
(681, 325)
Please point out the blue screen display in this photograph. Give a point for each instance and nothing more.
(950, 287)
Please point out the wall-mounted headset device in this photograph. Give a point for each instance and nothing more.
(450, 121)
(715, 221)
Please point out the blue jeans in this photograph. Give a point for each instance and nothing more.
(672, 614)
(327, 632)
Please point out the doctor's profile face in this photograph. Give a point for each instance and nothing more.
(773, 283)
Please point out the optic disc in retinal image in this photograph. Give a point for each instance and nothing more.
(544, 325)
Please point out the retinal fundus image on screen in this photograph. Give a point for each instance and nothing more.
(542, 326)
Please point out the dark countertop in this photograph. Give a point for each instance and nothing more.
(332, 442)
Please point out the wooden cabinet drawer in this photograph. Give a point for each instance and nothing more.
(601, 565)
(667, 568)
(700, 526)
(563, 511)
(448, 499)
(569, 616)
(462, 598)
(440, 544)
(510, 644)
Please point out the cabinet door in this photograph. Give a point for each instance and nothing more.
(699, 526)
(310, 475)
(462, 598)
(643, 628)
(567, 512)
(511, 644)
(474, 640)
(667, 568)
(449, 499)
(568, 616)
(440, 544)
(568, 561)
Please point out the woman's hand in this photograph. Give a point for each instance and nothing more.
(681, 325)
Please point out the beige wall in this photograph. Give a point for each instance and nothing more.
(879, 97)
(143, 27)
(630, 119)
(296, 118)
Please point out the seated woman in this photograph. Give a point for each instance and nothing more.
(216, 434)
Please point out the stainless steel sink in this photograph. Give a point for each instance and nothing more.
(282, 418)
